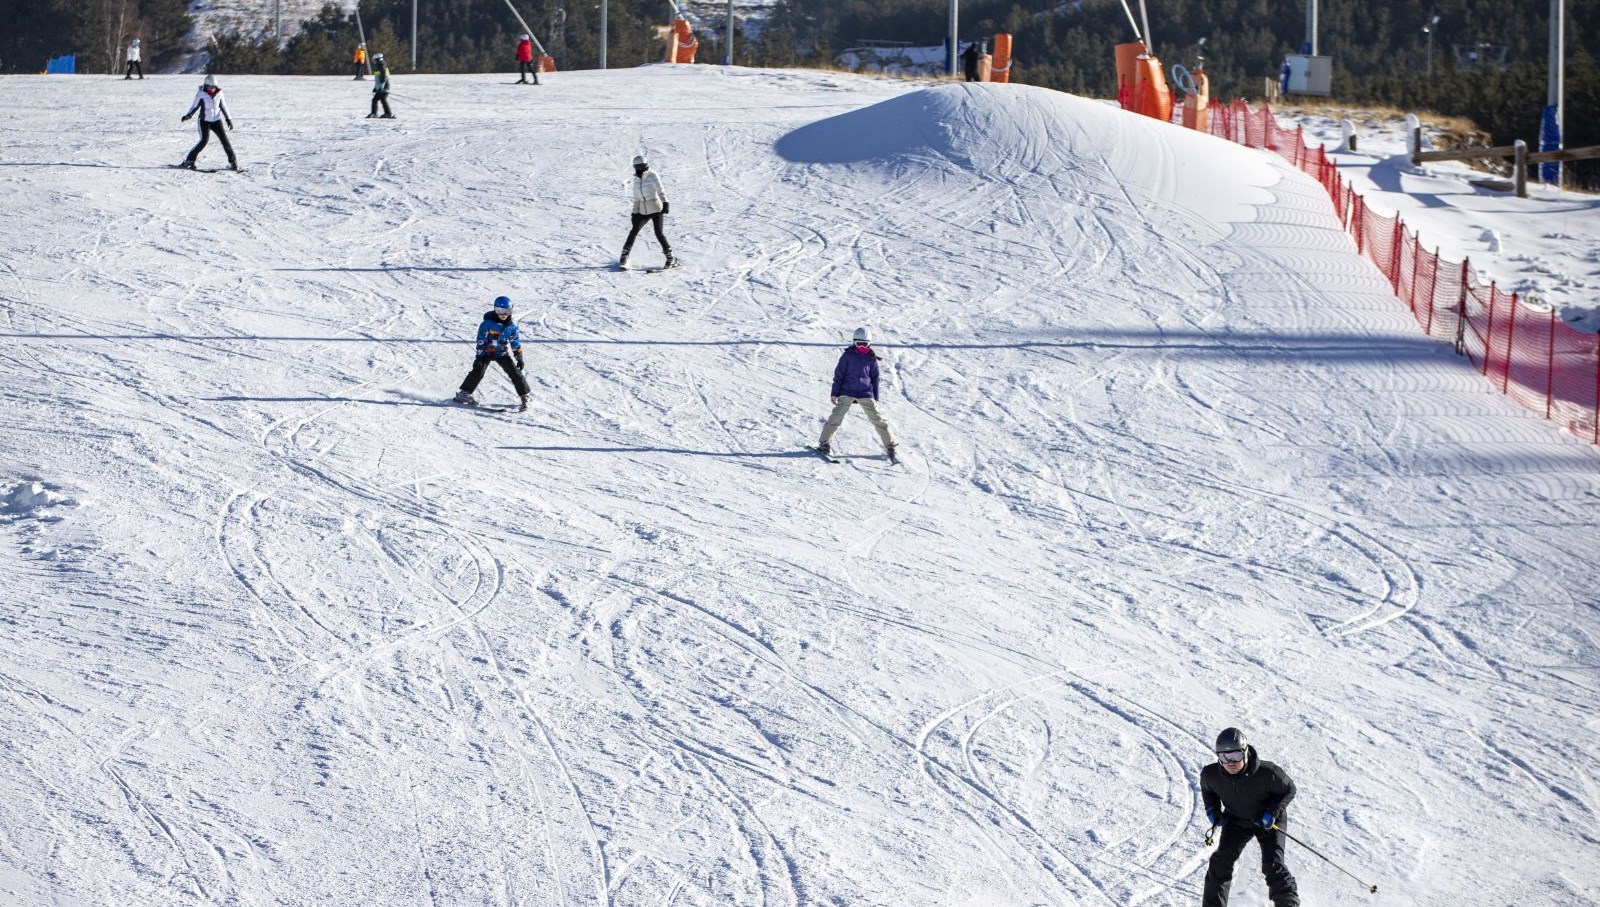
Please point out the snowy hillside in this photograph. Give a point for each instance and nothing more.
(283, 627)
(253, 18)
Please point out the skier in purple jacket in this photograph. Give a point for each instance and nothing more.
(855, 381)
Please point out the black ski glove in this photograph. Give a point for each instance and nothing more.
(519, 361)
(665, 207)
(185, 118)
(229, 122)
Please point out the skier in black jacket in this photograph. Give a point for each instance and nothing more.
(1249, 798)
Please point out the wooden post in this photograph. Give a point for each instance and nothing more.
(1521, 168)
(1416, 147)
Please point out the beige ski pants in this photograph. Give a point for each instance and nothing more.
(836, 419)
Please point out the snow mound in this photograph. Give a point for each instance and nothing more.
(28, 498)
(1015, 133)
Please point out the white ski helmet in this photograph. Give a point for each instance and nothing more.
(136, 42)
(210, 82)
(526, 38)
(640, 161)
(862, 335)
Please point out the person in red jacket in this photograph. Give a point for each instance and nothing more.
(525, 61)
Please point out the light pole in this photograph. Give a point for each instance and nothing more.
(604, 8)
(728, 61)
(1558, 62)
(413, 35)
(1428, 30)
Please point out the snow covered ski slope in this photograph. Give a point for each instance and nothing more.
(285, 627)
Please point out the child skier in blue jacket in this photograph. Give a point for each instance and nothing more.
(498, 341)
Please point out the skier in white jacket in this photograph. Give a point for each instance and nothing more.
(134, 61)
(209, 100)
(649, 204)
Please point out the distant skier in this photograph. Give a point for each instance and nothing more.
(1249, 797)
(855, 382)
(134, 61)
(499, 341)
(213, 113)
(525, 61)
(649, 205)
(969, 61)
(359, 62)
(380, 88)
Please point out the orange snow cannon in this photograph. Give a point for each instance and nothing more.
(1000, 66)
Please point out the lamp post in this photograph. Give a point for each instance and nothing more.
(1428, 30)
(413, 35)
(1558, 62)
(728, 60)
(604, 7)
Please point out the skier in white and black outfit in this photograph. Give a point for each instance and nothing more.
(208, 100)
(499, 341)
(134, 61)
(1249, 797)
(649, 205)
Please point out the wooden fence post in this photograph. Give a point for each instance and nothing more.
(1521, 167)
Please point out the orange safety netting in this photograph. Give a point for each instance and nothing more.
(1528, 353)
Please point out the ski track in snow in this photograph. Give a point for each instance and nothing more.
(1172, 459)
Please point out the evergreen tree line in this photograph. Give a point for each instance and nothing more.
(98, 31)
(474, 36)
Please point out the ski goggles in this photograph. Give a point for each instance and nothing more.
(862, 343)
(1232, 757)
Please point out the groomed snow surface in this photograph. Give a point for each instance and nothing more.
(283, 627)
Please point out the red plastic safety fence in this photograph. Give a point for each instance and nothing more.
(1528, 353)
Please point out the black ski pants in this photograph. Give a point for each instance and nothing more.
(360, 76)
(528, 68)
(639, 221)
(1219, 875)
(206, 128)
(134, 65)
(481, 365)
(380, 97)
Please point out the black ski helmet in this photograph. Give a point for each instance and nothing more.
(1231, 739)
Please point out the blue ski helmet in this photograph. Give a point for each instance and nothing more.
(503, 302)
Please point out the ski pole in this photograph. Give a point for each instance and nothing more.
(1371, 888)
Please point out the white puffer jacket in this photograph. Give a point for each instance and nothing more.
(133, 53)
(648, 196)
(214, 108)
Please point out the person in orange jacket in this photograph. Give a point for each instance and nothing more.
(359, 61)
(525, 61)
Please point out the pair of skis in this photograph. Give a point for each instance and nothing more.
(657, 270)
(831, 458)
